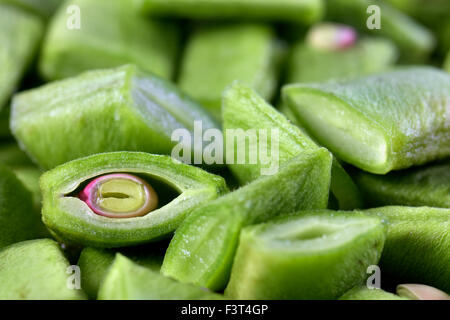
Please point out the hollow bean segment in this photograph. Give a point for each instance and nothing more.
(381, 122)
(312, 256)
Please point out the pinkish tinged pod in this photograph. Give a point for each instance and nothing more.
(332, 37)
(119, 195)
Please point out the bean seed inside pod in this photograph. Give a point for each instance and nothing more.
(120, 195)
(331, 37)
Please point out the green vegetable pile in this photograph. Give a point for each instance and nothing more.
(210, 150)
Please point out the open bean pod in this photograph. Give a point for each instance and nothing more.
(124, 198)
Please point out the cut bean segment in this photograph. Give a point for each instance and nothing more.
(417, 246)
(316, 255)
(420, 186)
(378, 123)
(127, 280)
(307, 63)
(122, 109)
(243, 109)
(415, 41)
(108, 34)
(218, 54)
(18, 220)
(202, 250)
(92, 220)
(35, 270)
(94, 263)
(20, 35)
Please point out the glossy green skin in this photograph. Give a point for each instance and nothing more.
(35, 270)
(94, 264)
(298, 11)
(111, 34)
(368, 55)
(18, 221)
(202, 250)
(414, 41)
(279, 266)
(408, 106)
(120, 109)
(364, 293)
(20, 35)
(417, 248)
(422, 186)
(72, 221)
(244, 109)
(216, 55)
(42, 8)
(126, 280)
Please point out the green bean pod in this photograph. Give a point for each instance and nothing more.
(18, 220)
(380, 122)
(202, 250)
(430, 13)
(298, 11)
(20, 35)
(414, 40)
(244, 110)
(94, 201)
(421, 186)
(218, 54)
(317, 255)
(120, 109)
(366, 56)
(126, 280)
(35, 270)
(417, 248)
(94, 263)
(85, 35)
